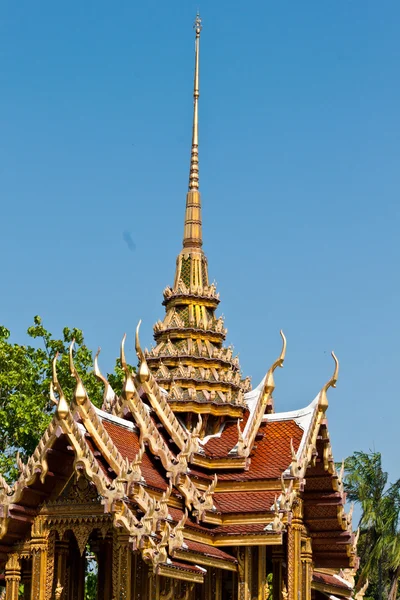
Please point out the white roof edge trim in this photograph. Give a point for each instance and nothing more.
(343, 580)
(293, 414)
(113, 419)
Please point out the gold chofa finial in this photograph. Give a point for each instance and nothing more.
(323, 398)
(192, 236)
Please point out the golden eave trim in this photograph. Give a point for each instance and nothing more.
(268, 485)
(219, 463)
(206, 407)
(331, 589)
(270, 539)
(202, 559)
(176, 573)
(224, 539)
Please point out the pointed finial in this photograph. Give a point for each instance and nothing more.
(122, 353)
(80, 393)
(192, 235)
(194, 158)
(323, 398)
(143, 373)
(269, 385)
(62, 407)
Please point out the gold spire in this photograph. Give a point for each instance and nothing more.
(192, 232)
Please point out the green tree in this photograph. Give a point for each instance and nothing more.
(25, 375)
(366, 484)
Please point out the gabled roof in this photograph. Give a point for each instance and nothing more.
(147, 484)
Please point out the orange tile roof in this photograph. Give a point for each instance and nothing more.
(271, 454)
(208, 550)
(243, 502)
(218, 447)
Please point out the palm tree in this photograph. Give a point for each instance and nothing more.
(366, 484)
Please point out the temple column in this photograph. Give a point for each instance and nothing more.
(245, 573)
(307, 568)
(61, 551)
(42, 548)
(12, 576)
(76, 575)
(294, 551)
(262, 585)
(218, 584)
(121, 566)
(26, 579)
(103, 551)
(277, 560)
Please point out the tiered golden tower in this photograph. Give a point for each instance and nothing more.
(190, 360)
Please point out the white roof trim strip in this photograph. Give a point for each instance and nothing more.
(117, 420)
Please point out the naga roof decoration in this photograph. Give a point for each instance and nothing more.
(189, 461)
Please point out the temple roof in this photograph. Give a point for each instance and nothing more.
(189, 460)
(147, 482)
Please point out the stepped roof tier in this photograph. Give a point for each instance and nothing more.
(189, 483)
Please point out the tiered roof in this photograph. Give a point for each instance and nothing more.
(189, 460)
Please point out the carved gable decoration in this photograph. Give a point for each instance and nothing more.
(79, 490)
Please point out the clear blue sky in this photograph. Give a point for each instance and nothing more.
(299, 165)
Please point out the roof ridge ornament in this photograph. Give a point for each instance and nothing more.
(323, 398)
(143, 373)
(269, 385)
(128, 388)
(109, 396)
(245, 442)
(80, 392)
(61, 404)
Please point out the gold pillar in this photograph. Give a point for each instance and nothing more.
(307, 568)
(75, 586)
(294, 551)
(218, 584)
(12, 577)
(103, 551)
(277, 560)
(121, 565)
(262, 584)
(42, 548)
(244, 573)
(26, 579)
(61, 551)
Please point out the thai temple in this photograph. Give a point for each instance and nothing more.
(189, 485)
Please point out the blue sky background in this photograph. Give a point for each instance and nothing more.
(299, 165)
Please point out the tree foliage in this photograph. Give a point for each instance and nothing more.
(366, 484)
(25, 375)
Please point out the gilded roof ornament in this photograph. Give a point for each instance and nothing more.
(109, 396)
(62, 405)
(143, 373)
(128, 388)
(4, 486)
(361, 592)
(323, 398)
(277, 523)
(269, 385)
(245, 443)
(80, 392)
